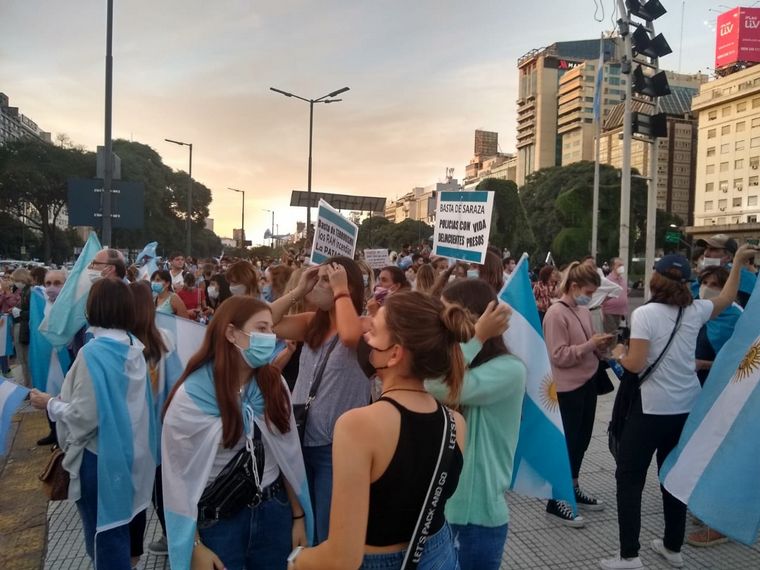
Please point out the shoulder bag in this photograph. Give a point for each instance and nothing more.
(601, 379)
(55, 479)
(432, 503)
(630, 384)
(301, 411)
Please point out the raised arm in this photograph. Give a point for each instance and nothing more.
(730, 289)
(347, 321)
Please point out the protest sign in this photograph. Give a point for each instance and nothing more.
(376, 258)
(334, 235)
(463, 225)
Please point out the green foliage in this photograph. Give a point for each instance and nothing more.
(509, 223)
(384, 234)
(370, 232)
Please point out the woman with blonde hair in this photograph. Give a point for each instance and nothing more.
(368, 276)
(243, 279)
(425, 279)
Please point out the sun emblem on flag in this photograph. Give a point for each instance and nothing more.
(548, 393)
(749, 364)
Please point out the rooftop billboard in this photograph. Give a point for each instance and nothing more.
(737, 37)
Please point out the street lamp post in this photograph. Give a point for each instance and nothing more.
(108, 171)
(188, 246)
(271, 239)
(329, 98)
(242, 217)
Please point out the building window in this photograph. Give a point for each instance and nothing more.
(754, 142)
(725, 130)
(721, 220)
(740, 126)
(751, 219)
(722, 205)
(711, 151)
(710, 169)
(751, 201)
(756, 122)
(756, 102)
(736, 202)
(725, 111)
(724, 166)
(723, 185)
(708, 205)
(739, 184)
(754, 180)
(711, 133)
(754, 162)
(741, 107)
(712, 115)
(724, 148)
(738, 164)
(710, 186)
(739, 145)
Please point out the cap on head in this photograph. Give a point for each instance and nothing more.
(719, 241)
(674, 267)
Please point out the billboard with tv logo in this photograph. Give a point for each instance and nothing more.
(737, 37)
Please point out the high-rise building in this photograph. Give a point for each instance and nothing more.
(15, 126)
(419, 204)
(486, 143)
(676, 153)
(488, 162)
(727, 197)
(539, 145)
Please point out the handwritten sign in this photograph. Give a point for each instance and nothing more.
(463, 225)
(333, 236)
(376, 258)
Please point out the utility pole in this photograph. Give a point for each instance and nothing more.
(108, 174)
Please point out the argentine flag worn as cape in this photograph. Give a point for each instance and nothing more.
(126, 426)
(6, 335)
(190, 439)
(715, 467)
(47, 365)
(542, 466)
(147, 257)
(11, 397)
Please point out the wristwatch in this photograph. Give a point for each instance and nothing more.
(294, 554)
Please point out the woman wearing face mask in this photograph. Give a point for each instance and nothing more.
(243, 279)
(390, 280)
(574, 352)
(217, 291)
(164, 298)
(386, 454)
(331, 335)
(231, 404)
(615, 309)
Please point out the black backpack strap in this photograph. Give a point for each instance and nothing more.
(649, 371)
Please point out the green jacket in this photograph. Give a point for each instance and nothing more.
(491, 401)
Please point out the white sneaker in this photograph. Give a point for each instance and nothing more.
(674, 558)
(621, 563)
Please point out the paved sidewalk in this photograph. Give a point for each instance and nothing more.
(534, 540)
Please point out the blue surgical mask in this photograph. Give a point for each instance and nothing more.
(260, 349)
(157, 287)
(266, 292)
(473, 274)
(582, 300)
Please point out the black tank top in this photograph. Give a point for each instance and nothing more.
(397, 497)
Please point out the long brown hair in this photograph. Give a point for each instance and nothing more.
(492, 271)
(320, 324)
(145, 327)
(431, 333)
(227, 365)
(669, 291)
(425, 279)
(279, 274)
(243, 273)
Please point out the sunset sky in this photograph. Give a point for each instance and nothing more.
(423, 75)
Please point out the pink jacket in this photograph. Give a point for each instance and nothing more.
(571, 350)
(8, 301)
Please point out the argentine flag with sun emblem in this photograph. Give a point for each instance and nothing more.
(542, 466)
(716, 465)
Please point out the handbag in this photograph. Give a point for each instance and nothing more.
(600, 378)
(301, 411)
(236, 486)
(630, 384)
(435, 489)
(55, 479)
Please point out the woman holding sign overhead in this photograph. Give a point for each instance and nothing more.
(330, 380)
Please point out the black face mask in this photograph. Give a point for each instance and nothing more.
(363, 351)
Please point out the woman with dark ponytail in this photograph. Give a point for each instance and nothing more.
(229, 408)
(386, 455)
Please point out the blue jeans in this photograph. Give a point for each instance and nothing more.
(480, 547)
(318, 462)
(256, 537)
(110, 550)
(439, 554)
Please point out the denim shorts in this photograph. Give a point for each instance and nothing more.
(439, 554)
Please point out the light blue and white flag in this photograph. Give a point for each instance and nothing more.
(190, 439)
(126, 426)
(47, 365)
(715, 467)
(6, 335)
(11, 397)
(542, 466)
(66, 317)
(184, 338)
(147, 260)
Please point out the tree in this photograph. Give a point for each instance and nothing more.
(393, 236)
(509, 223)
(33, 183)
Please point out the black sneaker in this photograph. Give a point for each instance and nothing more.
(564, 512)
(47, 440)
(586, 501)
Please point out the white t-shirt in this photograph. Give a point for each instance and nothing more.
(673, 387)
(224, 456)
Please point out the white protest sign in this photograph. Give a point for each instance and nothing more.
(463, 225)
(376, 258)
(334, 235)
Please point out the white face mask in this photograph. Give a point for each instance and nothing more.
(94, 275)
(620, 270)
(237, 289)
(711, 261)
(213, 292)
(708, 293)
(19, 285)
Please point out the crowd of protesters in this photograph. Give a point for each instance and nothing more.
(325, 403)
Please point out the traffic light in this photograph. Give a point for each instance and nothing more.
(650, 47)
(652, 126)
(647, 10)
(652, 86)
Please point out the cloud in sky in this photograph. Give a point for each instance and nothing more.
(423, 76)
